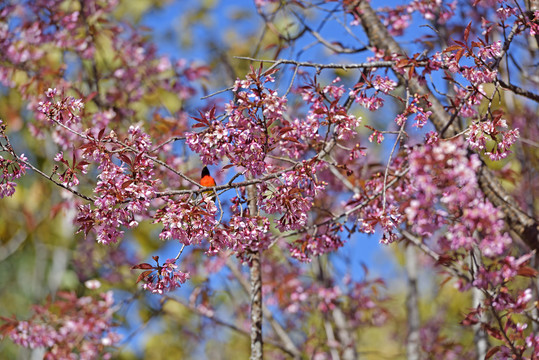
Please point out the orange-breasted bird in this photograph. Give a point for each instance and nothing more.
(205, 178)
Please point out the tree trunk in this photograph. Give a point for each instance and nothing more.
(412, 305)
(480, 336)
(256, 288)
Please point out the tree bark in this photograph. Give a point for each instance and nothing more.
(256, 288)
(480, 336)
(256, 308)
(412, 305)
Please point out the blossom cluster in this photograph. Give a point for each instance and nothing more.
(397, 19)
(212, 143)
(442, 173)
(468, 103)
(9, 169)
(381, 85)
(324, 241)
(249, 234)
(186, 221)
(345, 124)
(446, 196)
(492, 130)
(300, 159)
(292, 195)
(377, 209)
(71, 327)
(64, 111)
(69, 176)
(421, 116)
(244, 139)
(325, 112)
(160, 279)
(124, 188)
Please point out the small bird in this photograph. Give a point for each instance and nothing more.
(206, 180)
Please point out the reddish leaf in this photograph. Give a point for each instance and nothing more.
(271, 72)
(411, 72)
(402, 62)
(491, 352)
(452, 48)
(459, 54)
(444, 260)
(467, 31)
(90, 96)
(143, 276)
(8, 327)
(142, 266)
(285, 129)
(470, 319)
(476, 44)
(127, 183)
(498, 113)
(442, 284)
(495, 333)
(527, 271)
(295, 191)
(291, 139)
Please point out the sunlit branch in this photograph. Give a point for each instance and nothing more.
(365, 65)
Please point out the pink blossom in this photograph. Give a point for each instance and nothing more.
(160, 279)
(70, 327)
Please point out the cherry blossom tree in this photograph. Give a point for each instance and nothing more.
(415, 123)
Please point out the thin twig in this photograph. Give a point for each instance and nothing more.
(401, 131)
(180, 253)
